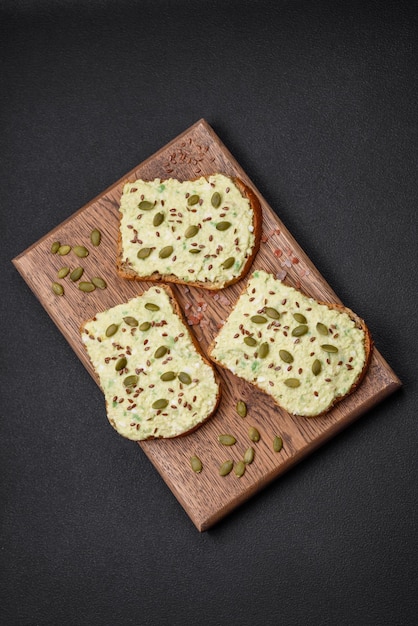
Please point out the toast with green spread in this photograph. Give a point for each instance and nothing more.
(306, 354)
(203, 232)
(156, 381)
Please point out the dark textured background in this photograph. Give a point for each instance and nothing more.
(318, 102)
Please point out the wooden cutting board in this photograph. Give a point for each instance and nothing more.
(207, 497)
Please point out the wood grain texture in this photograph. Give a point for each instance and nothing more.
(206, 497)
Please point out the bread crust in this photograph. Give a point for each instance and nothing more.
(246, 192)
(368, 346)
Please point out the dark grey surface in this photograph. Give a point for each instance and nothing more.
(318, 102)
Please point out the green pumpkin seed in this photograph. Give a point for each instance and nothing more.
(167, 376)
(292, 382)
(144, 253)
(227, 440)
(286, 356)
(184, 378)
(152, 307)
(111, 330)
(250, 341)
(160, 352)
(191, 231)
(258, 319)
(263, 350)
(321, 328)
(196, 464)
(253, 434)
(249, 456)
(130, 381)
(120, 364)
(329, 348)
(239, 469)
(81, 251)
(160, 404)
(55, 247)
(229, 262)
(273, 313)
(145, 326)
(277, 443)
(86, 286)
(131, 321)
(63, 250)
(63, 272)
(98, 282)
(216, 200)
(95, 237)
(298, 331)
(223, 225)
(76, 274)
(58, 289)
(241, 408)
(300, 318)
(195, 251)
(158, 219)
(226, 467)
(166, 252)
(316, 367)
(145, 205)
(194, 199)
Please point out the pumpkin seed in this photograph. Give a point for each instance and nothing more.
(300, 318)
(160, 352)
(241, 408)
(63, 250)
(191, 231)
(239, 469)
(165, 252)
(131, 321)
(223, 225)
(76, 274)
(63, 272)
(55, 247)
(258, 319)
(145, 326)
(277, 443)
(81, 251)
(120, 364)
(184, 378)
(292, 382)
(111, 330)
(226, 467)
(216, 200)
(95, 237)
(195, 251)
(144, 253)
(253, 434)
(229, 262)
(298, 331)
(152, 307)
(321, 328)
(273, 313)
(130, 381)
(194, 199)
(160, 404)
(58, 289)
(167, 376)
(145, 205)
(286, 356)
(196, 464)
(86, 286)
(329, 348)
(158, 219)
(249, 455)
(250, 341)
(98, 282)
(316, 367)
(263, 350)
(227, 440)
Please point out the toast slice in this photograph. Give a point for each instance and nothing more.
(306, 354)
(156, 381)
(203, 232)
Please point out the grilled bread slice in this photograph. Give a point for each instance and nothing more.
(306, 354)
(204, 232)
(156, 381)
